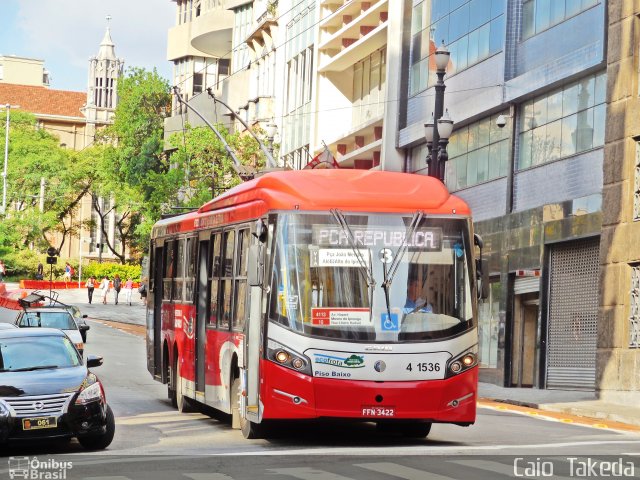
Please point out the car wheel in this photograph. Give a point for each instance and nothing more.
(171, 385)
(249, 429)
(102, 441)
(184, 404)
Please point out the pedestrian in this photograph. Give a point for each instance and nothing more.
(3, 271)
(40, 272)
(143, 290)
(91, 285)
(128, 288)
(66, 276)
(105, 286)
(117, 285)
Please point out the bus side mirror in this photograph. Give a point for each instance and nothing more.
(256, 267)
(482, 270)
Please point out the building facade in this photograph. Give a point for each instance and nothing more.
(73, 117)
(534, 185)
(359, 77)
(618, 347)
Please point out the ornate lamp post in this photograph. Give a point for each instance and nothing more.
(270, 130)
(438, 137)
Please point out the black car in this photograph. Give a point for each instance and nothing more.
(46, 391)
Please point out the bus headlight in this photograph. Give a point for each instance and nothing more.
(288, 358)
(463, 362)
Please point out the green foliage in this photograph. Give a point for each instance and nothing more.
(35, 154)
(133, 170)
(99, 270)
(202, 158)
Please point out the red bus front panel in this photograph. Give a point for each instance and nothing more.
(287, 395)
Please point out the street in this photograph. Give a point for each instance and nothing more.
(155, 441)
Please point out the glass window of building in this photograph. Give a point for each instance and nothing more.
(478, 152)
(565, 122)
(243, 17)
(539, 15)
(488, 327)
(299, 53)
(472, 30)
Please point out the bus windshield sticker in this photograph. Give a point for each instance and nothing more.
(340, 317)
(338, 257)
(428, 239)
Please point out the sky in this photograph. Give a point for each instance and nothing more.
(66, 33)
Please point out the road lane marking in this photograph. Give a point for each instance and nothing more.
(208, 476)
(400, 471)
(431, 450)
(307, 473)
(501, 468)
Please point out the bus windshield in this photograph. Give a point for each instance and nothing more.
(372, 277)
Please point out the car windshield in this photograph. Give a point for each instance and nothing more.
(33, 353)
(372, 277)
(61, 320)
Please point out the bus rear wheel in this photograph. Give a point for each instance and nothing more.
(248, 428)
(184, 404)
(171, 385)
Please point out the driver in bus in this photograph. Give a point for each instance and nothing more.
(415, 301)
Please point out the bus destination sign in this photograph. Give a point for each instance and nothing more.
(425, 239)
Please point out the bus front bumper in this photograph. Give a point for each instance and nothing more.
(287, 395)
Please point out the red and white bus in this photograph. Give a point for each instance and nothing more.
(320, 293)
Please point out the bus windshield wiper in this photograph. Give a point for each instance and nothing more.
(390, 273)
(367, 273)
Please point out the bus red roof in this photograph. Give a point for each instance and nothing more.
(352, 190)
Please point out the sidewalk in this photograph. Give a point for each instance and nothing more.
(571, 402)
(123, 313)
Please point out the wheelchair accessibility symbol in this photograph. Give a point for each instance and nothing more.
(389, 324)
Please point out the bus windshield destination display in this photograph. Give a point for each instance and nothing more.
(427, 239)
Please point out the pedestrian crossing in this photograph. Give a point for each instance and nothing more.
(340, 468)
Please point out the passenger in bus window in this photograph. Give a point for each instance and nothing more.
(415, 298)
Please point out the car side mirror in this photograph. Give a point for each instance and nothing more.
(84, 327)
(93, 361)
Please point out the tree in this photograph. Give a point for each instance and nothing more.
(203, 161)
(35, 155)
(134, 173)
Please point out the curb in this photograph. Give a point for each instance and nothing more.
(569, 414)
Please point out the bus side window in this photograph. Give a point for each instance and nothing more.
(179, 279)
(168, 269)
(190, 270)
(215, 276)
(226, 281)
(241, 279)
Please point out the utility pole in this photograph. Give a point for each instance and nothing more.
(6, 162)
(6, 158)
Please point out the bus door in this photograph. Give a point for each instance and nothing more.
(155, 286)
(253, 328)
(202, 302)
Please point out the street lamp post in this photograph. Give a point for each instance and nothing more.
(439, 129)
(270, 129)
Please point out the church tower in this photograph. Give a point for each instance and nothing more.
(104, 71)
